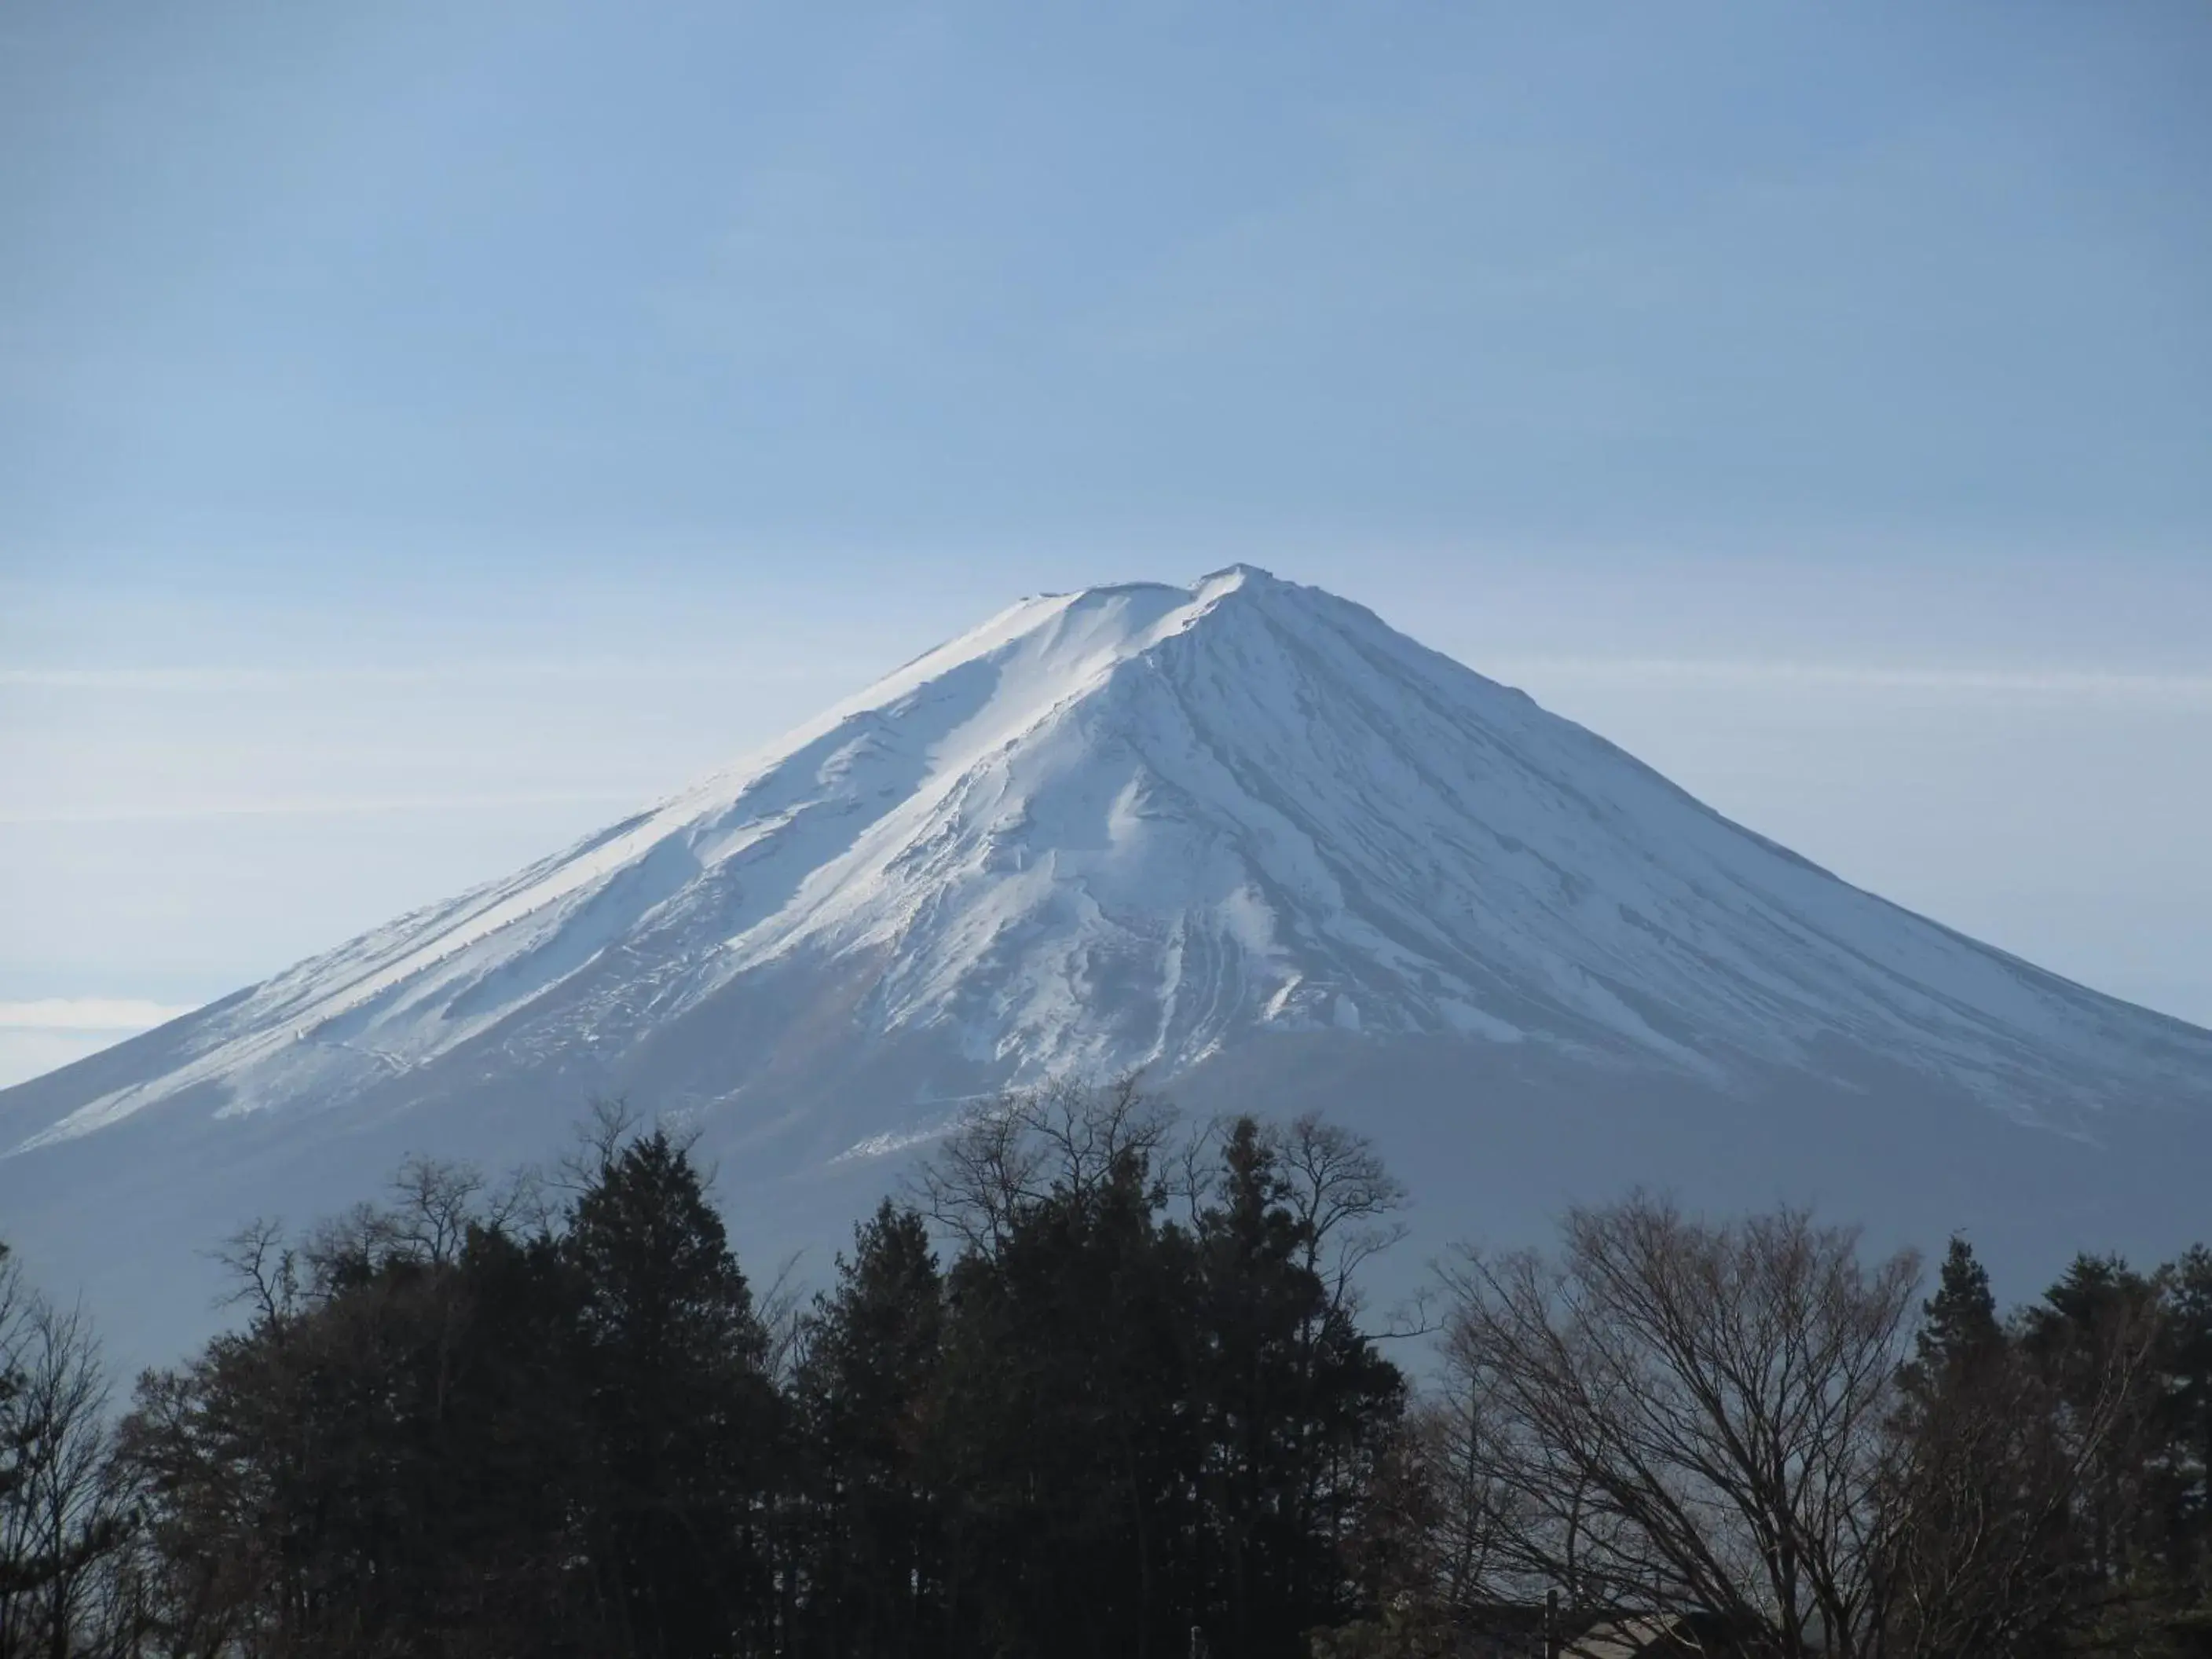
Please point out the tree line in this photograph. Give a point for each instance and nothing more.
(1103, 1383)
(1752, 1421)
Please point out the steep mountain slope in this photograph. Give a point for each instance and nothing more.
(1194, 829)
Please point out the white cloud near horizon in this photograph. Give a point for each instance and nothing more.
(89, 1013)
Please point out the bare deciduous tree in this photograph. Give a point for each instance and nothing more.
(1067, 1136)
(1676, 1414)
(61, 1515)
(264, 1270)
(1688, 1415)
(1343, 1196)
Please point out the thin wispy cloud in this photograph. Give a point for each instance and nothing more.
(2086, 686)
(317, 807)
(2068, 683)
(88, 1014)
(753, 669)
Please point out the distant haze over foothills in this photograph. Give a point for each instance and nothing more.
(1238, 835)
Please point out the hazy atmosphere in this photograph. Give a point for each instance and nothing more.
(427, 433)
(1173, 829)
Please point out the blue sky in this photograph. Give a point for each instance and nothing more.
(425, 430)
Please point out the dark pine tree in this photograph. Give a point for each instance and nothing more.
(2189, 1337)
(1068, 1440)
(872, 1527)
(680, 1419)
(1295, 1406)
(2101, 1306)
(1959, 1333)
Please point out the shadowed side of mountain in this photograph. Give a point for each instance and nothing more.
(1493, 1141)
(1241, 836)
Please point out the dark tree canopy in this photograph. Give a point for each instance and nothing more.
(555, 1422)
(1104, 1388)
(1958, 1327)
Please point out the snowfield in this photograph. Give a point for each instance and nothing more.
(1184, 829)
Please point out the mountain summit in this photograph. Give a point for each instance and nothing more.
(1240, 834)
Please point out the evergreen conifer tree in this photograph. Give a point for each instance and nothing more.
(2189, 1340)
(680, 1419)
(1295, 1406)
(1959, 1333)
(865, 1394)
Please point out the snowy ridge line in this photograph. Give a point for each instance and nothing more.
(1143, 825)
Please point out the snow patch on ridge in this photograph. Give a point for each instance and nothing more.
(1130, 826)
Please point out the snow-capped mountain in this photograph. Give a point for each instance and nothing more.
(1242, 834)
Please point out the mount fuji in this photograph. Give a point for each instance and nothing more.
(1241, 836)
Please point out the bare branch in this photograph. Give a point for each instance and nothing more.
(264, 1270)
(1680, 1414)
